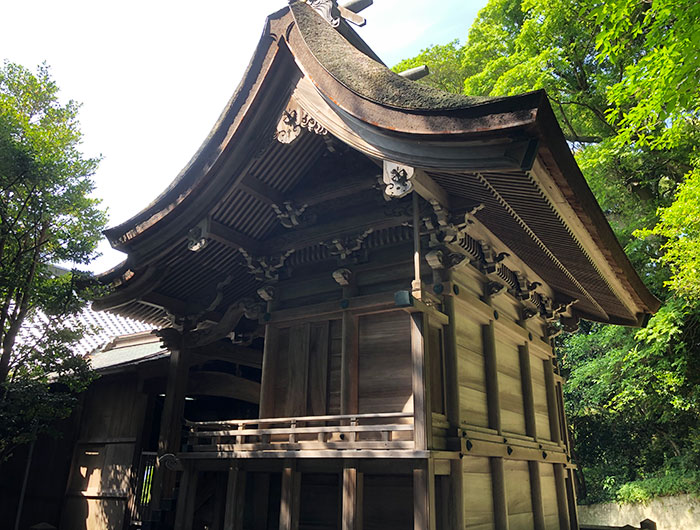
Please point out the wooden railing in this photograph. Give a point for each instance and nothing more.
(142, 495)
(387, 430)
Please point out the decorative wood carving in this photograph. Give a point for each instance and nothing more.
(494, 288)
(345, 247)
(267, 293)
(439, 259)
(528, 313)
(397, 180)
(569, 324)
(171, 338)
(198, 236)
(327, 9)
(291, 216)
(265, 267)
(294, 120)
(343, 276)
(171, 462)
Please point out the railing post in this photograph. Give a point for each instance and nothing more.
(293, 436)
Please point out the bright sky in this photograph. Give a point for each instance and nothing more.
(153, 76)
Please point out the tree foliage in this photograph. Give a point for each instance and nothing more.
(46, 216)
(623, 78)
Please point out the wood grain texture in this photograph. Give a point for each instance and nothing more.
(549, 495)
(317, 395)
(385, 363)
(510, 387)
(539, 394)
(478, 511)
(519, 495)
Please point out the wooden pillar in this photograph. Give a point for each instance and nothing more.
(424, 495)
(562, 497)
(261, 501)
(455, 515)
(571, 498)
(552, 402)
(528, 396)
(267, 384)
(291, 489)
(170, 436)
(421, 396)
(500, 501)
(235, 498)
(493, 397)
(452, 365)
(536, 494)
(349, 365)
(186, 498)
(352, 497)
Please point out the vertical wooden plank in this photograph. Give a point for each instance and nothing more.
(298, 369)
(562, 497)
(419, 377)
(536, 493)
(220, 501)
(232, 493)
(349, 369)
(267, 385)
(169, 438)
(528, 395)
(571, 497)
(184, 511)
(352, 497)
(564, 426)
(455, 507)
(261, 500)
(552, 405)
(491, 370)
(289, 504)
(240, 500)
(424, 495)
(452, 366)
(500, 502)
(318, 370)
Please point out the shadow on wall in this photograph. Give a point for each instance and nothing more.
(98, 489)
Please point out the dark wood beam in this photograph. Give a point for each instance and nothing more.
(225, 350)
(430, 190)
(261, 191)
(209, 383)
(232, 238)
(135, 288)
(332, 190)
(343, 227)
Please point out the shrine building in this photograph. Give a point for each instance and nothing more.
(359, 278)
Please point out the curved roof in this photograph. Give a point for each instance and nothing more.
(501, 149)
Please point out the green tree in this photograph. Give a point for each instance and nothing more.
(46, 216)
(623, 79)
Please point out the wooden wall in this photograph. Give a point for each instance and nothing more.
(98, 487)
(385, 363)
(306, 366)
(508, 407)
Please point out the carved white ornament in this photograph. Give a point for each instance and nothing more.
(397, 179)
(293, 120)
(325, 9)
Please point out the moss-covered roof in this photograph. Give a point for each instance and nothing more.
(366, 77)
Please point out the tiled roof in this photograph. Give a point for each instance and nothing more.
(107, 326)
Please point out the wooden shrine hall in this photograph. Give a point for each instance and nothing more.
(388, 265)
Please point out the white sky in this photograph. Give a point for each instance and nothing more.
(153, 76)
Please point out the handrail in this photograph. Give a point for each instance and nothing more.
(375, 415)
(301, 433)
